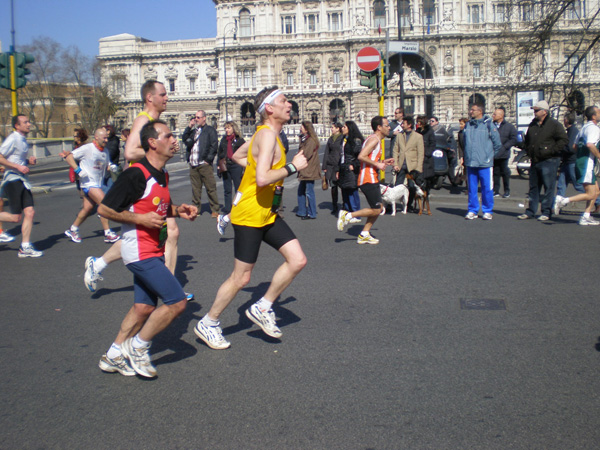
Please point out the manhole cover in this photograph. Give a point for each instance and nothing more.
(486, 304)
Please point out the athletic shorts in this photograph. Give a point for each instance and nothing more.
(18, 196)
(584, 170)
(247, 240)
(152, 280)
(373, 194)
(86, 190)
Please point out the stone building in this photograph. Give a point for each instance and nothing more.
(309, 49)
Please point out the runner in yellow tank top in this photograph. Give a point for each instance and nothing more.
(252, 204)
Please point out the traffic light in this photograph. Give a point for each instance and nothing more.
(370, 79)
(5, 70)
(21, 61)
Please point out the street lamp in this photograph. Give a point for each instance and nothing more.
(225, 64)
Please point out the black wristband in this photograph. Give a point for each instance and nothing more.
(290, 169)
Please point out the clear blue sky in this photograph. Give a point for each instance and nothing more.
(83, 22)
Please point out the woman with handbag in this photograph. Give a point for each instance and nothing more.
(349, 166)
(331, 163)
(309, 144)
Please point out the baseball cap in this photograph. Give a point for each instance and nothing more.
(542, 104)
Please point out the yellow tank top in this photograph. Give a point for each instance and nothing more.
(252, 204)
(152, 119)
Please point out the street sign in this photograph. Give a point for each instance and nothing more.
(368, 59)
(403, 47)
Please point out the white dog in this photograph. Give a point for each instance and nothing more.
(393, 195)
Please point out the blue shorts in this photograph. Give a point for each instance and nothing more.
(152, 280)
(86, 190)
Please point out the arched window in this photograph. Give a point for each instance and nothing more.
(172, 124)
(379, 13)
(245, 28)
(404, 12)
(247, 111)
(337, 110)
(294, 114)
(314, 118)
(477, 98)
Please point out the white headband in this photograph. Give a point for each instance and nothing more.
(268, 100)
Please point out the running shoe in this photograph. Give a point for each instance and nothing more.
(212, 336)
(265, 320)
(588, 221)
(354, 220)
(559, 203)
(29, 252)
(111, 237)
(139, 359)
(343, 219)
(5, 237)
(368, 239)
(543, 218)
(73, 235)
(188, 296)
(119, 364)
(487, 216)
(471, 216)
(221, 224)
(91, 277)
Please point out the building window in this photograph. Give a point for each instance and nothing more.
(404, 13)
(288, 24)
(576, 10)
(172, 124)
(213, 84)
(172, 85)
(75, 118)
(336, 76)
(476, 70)
(313, 77)
(314, 118)
(379, 14)
(527, 69)
(246, 78)
(335, 21)
(500, 13)
(572, 67)
(502, 69)
(526, 12)
(428, 12)
(192, 85)
(475, 13)
(119, 85)
(245, 23)
(311, 23)
(290, 78)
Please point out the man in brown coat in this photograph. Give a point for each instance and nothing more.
(408, 151)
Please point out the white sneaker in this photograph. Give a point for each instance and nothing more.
(139, 359)
(265, 320)
(212, 336)
(487, 216)
(73, 235)
(91, 277)
(343, 219)
(221, 224)
(588, 221)
(5, 237)
(110, 237)
(543, 218)
(29, 252)
(559, 203)
(471, 216)
(368, 239)
(354, 220)
(119, 364)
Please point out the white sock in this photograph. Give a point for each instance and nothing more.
(226, 218)
(567, 200)
(25, 244)
(74, 228)
(586, 215)
(114, 351)
(264, 305)
(100, 265)
(137, 342)
(364, 233)
(210, 322)
(107, 231)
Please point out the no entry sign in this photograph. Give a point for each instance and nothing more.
(368, 59)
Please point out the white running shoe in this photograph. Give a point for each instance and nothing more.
(91, 277)
(471, 216)
(111, 237)
(354, 220)
(368, 239)
(5, 237)
(212, 336)
(29, 252)
(139, 359)
(265, 320)
(343, 219)
(487, 216)
(221, 224)
(588, 221)
(559, 203)
(119, 364)
(73, 235)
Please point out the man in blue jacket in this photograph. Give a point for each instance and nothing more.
(482, 143)
(508, 137)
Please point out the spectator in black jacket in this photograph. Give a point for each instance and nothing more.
(114, 153)
(544, 142)
(508, 137)
(331, 162)
(230, 171)
(201, 159)
(566, 170)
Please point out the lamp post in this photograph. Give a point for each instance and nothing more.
(225, 64)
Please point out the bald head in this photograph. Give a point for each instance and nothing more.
(100, 137)
(498, 115)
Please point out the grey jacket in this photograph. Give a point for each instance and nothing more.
(482, 142)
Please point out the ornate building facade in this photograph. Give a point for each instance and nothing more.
(309, 49)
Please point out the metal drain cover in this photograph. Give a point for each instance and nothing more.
(485, 304)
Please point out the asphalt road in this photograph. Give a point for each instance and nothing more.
(450, 334)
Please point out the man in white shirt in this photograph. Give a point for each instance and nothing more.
(14, 156)
(93, 163)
